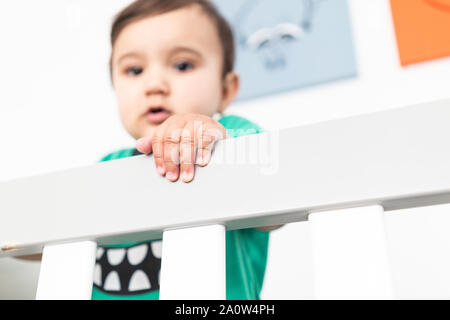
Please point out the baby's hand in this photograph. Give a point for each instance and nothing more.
(179, 140)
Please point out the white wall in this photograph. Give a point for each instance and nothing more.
(57, 111)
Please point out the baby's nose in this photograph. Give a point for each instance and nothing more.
(156, 83)
(156, 88)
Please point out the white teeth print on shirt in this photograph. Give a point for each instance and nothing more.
(98, 275)
(139, 281)
(115, 256)
(99, 253)
(112, 282)
(128, 271)
(137, 254)
(157, 249)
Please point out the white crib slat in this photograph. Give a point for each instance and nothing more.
(67, 271)
(350, 254)
(193, 264)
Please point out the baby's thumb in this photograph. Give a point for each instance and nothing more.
(144, 145)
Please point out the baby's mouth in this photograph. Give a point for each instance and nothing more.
(157, 115)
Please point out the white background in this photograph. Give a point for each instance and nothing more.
(58, 111)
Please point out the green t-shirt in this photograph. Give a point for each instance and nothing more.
(246, 252)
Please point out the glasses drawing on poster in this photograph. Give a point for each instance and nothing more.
(267, 41)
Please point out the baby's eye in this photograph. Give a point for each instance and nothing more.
(133, 71)
(184, 66)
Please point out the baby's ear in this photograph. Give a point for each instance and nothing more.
(230, 90)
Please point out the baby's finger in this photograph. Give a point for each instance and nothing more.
(144, 145)
(171, 140)
(158, 149)
(207, 139)
(187, 152)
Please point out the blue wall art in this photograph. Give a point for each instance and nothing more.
(289, 44)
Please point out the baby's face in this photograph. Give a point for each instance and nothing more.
(170, 62)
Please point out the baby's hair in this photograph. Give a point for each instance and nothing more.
(141, 9)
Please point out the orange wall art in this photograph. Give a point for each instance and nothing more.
(422, 28)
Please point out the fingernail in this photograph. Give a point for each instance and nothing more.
(171, 176)
(187, 176)
(200, 160)
(203, 160)
(160, 170)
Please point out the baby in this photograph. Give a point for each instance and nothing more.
(172, 71)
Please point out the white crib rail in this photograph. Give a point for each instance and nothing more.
(392, 159)
(350, 255)
(67, 271)
(200, 252)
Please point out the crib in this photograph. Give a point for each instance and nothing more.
(341, 177)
